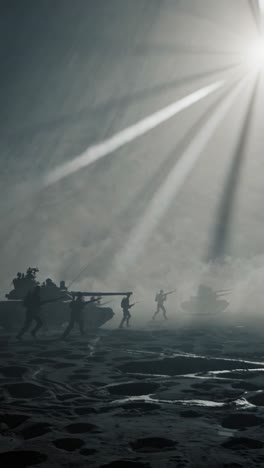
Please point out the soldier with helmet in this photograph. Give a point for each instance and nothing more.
(77, 305)
(125, 305)
(160, 299)
(32, 303)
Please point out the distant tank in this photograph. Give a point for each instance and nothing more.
(207, 301)
(55, 309)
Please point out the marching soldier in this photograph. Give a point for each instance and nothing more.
(125, 305)
(32, 303)
(77, 305)
(160, 298)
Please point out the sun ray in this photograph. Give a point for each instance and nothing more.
(216, 24)
(226, 208)
(142, 94)
(173, 183)
(255, 10)
(96, 152)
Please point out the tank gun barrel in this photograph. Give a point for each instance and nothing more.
(100, 293)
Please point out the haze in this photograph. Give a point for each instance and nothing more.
(75, 74)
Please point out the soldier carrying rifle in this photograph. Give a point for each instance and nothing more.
(160, 298)
(125, 305)
(76, 306)
(32, 303)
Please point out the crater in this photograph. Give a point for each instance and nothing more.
(22, 458)
(69, 444)
(242, 443)
(153, 444)
(241, 420)
(13, 420)
(13, 372)
(81, 428)
(25, 390)
(36, 430)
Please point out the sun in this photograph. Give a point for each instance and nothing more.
(255, 54)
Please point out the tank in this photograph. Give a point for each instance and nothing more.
(207, 301)
(55, 310)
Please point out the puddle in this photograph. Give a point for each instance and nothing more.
(197, 356)
(228, 371)
(190, 365)
(148, 398)
(204, 403)
(241, 403)
(173, 354)
(143, 374)
(136, 351)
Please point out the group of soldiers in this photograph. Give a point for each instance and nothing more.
(160, 298)
(32, 303)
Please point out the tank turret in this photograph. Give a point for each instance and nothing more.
(206, 301)
(23, 283)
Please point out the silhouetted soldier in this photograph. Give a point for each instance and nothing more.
(76, 305)
(31, 273)
(50, 284)
(160, 299)
(17, 280)
(32, 303)
(126, 314)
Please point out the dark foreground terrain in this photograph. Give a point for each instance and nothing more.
(191, 397)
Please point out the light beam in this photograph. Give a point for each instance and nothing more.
(227, 203)
(261, 6)
(173, 184)
(96, 152)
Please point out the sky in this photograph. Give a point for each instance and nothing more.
(75, 74)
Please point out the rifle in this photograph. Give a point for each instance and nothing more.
(96, 299)
(170, 292)
(134, 303)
